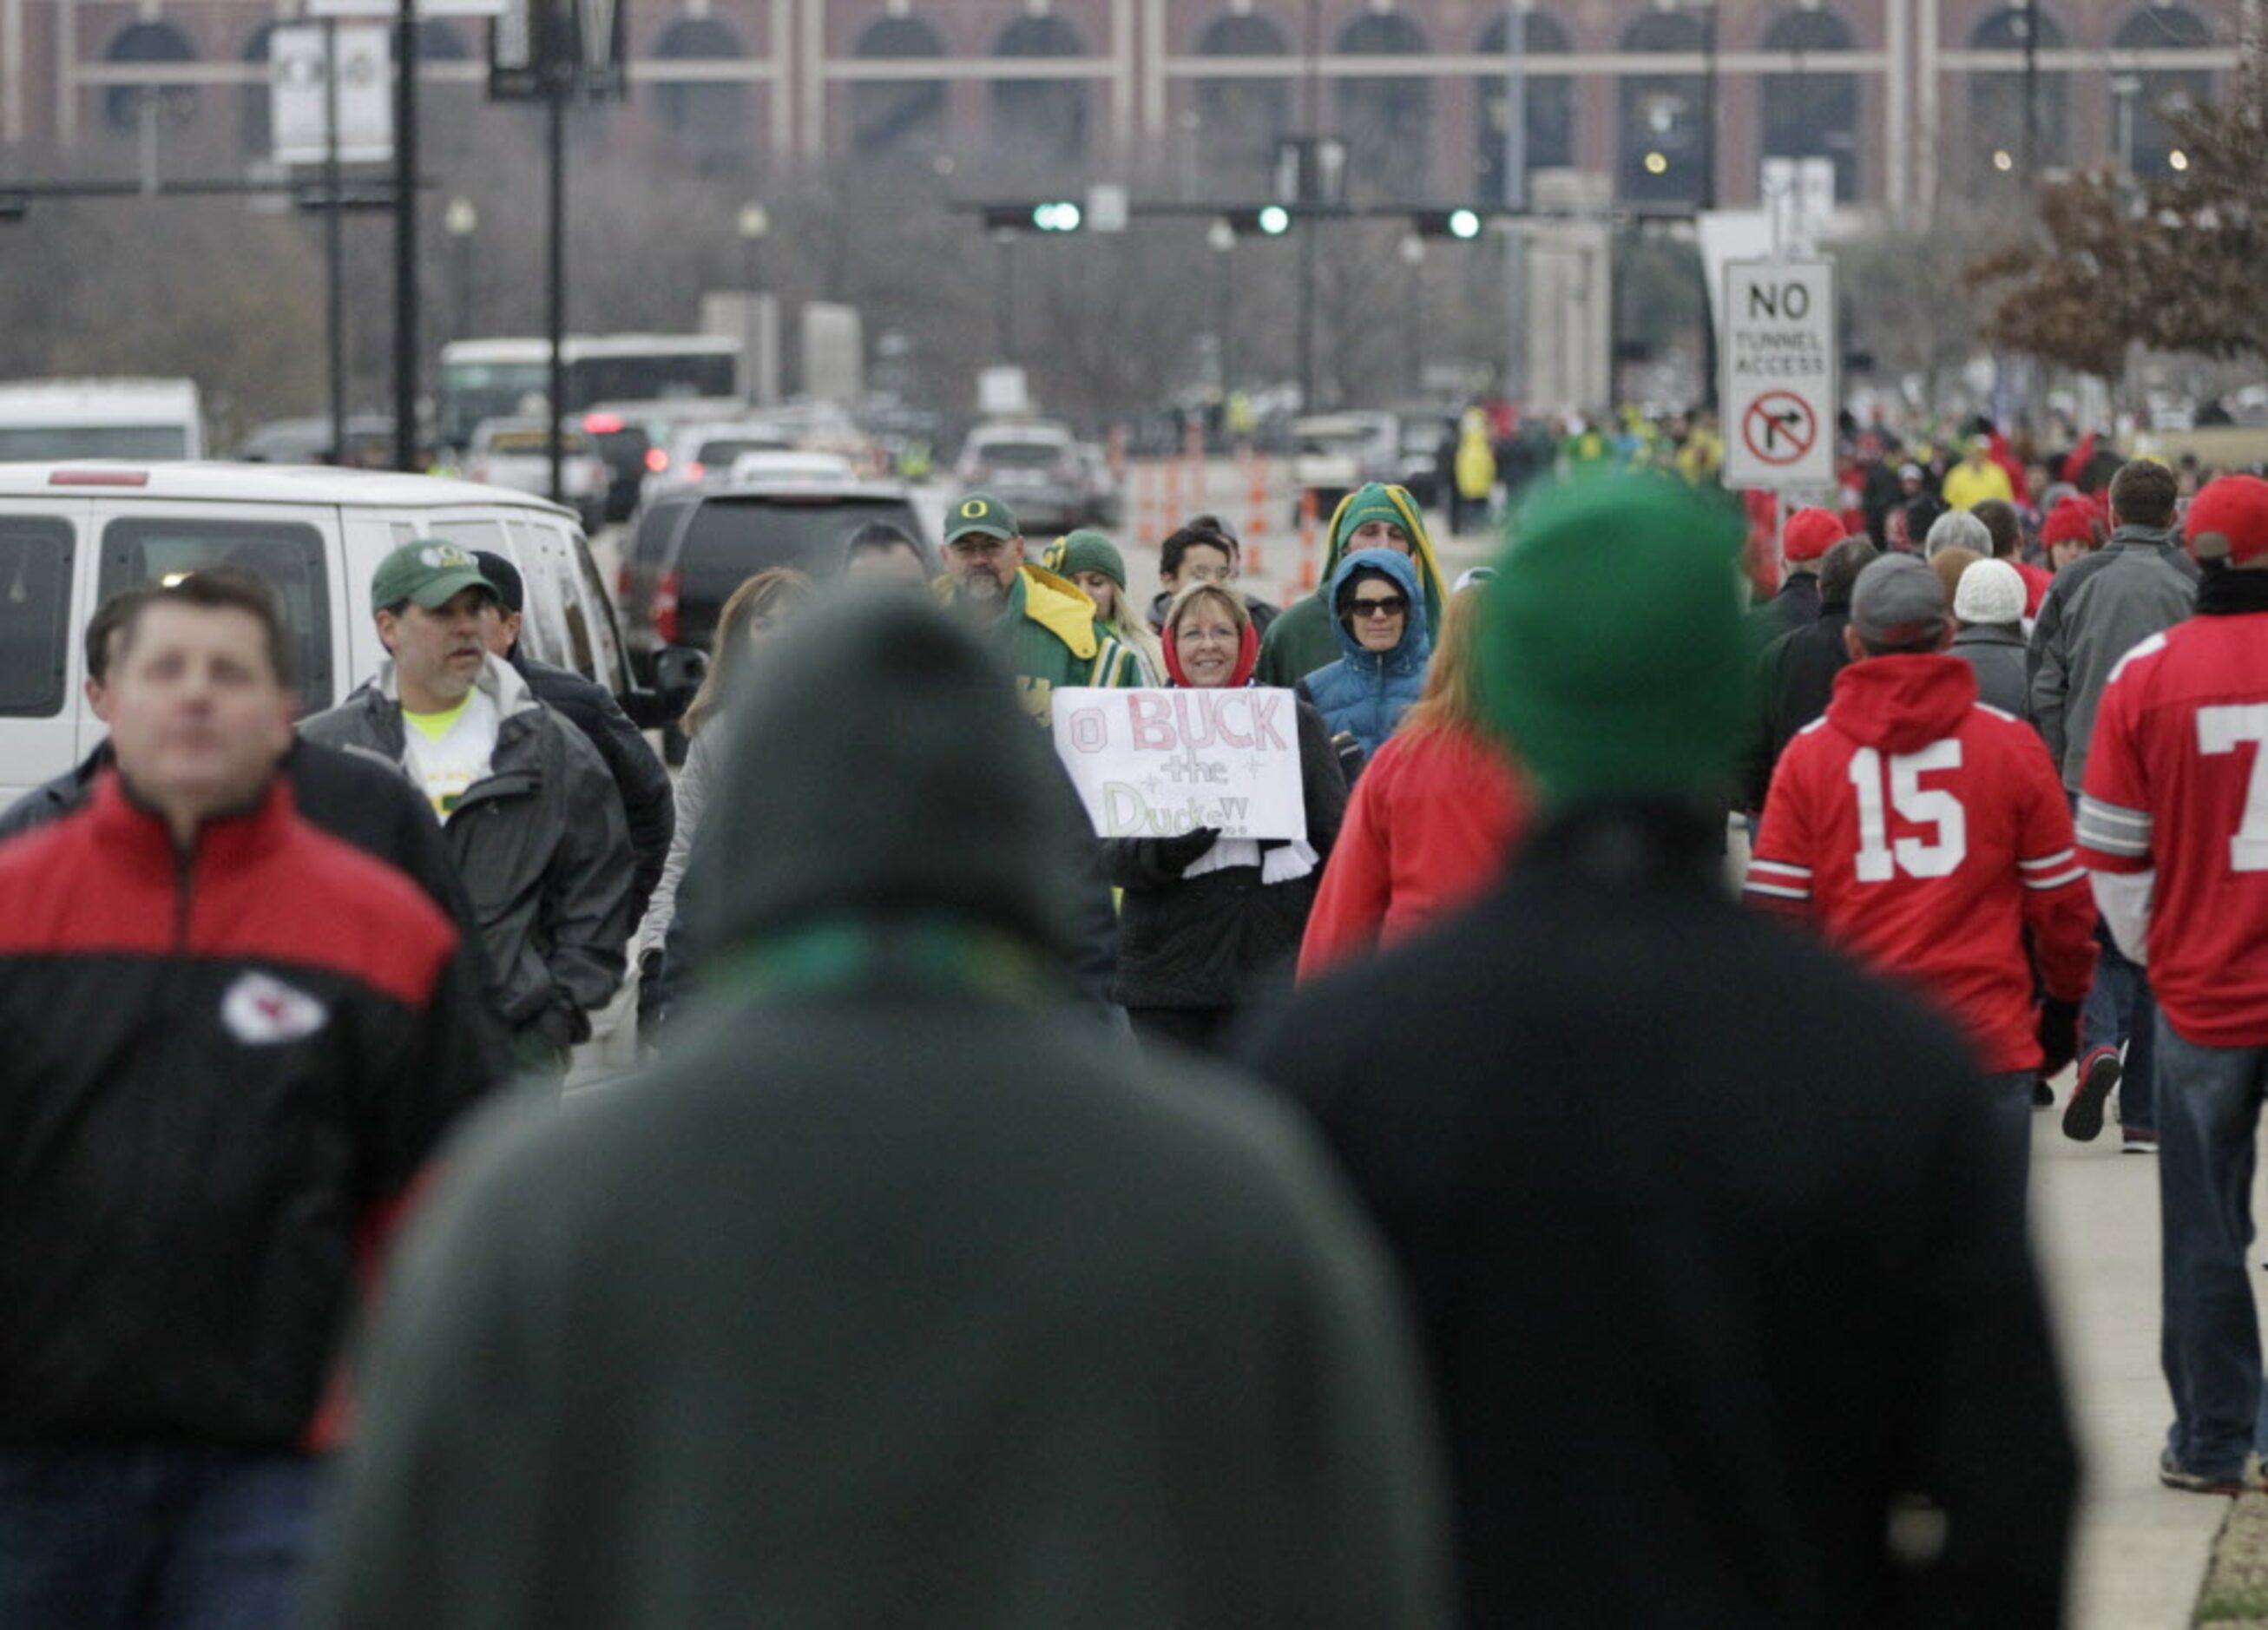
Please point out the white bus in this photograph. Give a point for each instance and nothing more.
(140, 419)
(510, 379)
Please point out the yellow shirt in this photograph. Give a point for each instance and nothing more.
(1967, 485)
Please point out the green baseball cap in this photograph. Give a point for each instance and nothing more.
(432, 572)
(981, 512)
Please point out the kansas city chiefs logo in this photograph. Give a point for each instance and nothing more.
(260, 1011)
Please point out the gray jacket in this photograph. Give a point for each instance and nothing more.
(2097, 609)
(541, 846)
(1999, 656)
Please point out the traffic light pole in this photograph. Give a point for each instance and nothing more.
(557, 73)
(334, 280)
(405, 236)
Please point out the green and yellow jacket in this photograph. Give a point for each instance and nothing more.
(1049, 637)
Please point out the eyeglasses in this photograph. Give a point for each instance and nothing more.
(1392, 606)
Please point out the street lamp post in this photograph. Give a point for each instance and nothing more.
(460, 220)
(1412, 250)
(2124, 89)
(754, 222)
(1221, 238)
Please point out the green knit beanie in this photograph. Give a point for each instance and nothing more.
(1613, 655)
(1372, 502)
(1085, 550)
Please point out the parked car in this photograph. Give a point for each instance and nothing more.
(692, 549)
(517, 454)
(73, 534)
(1420, 435)
(370, 442)
(1035, 469)
(1105, 506)
(753, 469)
(700, 453)
(1333, 453)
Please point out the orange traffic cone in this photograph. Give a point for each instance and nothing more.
(1255, 521)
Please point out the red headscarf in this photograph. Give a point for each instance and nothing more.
(1248, 658)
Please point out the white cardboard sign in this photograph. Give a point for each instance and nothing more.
(1155, 764)
(1782, 362)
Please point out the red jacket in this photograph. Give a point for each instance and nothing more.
(1927, 834)
(1432, 819)
(2177, 782)
(2036, 579)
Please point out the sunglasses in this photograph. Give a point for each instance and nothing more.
(1393, 606)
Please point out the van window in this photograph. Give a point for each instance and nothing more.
(287, 556)
(35, 615)
(607, 659)
(542, 626)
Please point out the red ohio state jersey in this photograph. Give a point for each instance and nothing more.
(2177, 779)
(1925, 833)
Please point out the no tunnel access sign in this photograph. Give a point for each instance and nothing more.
(1781, 374)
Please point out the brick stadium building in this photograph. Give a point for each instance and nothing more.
(1909, 98)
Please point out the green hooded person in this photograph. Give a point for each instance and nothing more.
(895, 1295)
(1377, 516)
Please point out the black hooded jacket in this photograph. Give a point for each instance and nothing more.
(639, 773)
(900, 1294)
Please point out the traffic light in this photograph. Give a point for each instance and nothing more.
(1463, 225)
(1052, 215)
(1271, 220)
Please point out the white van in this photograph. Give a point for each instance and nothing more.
(100, 419)
(73, 535)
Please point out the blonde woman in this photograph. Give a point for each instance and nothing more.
(750, 614)
(1432, 818)
(1093, 561)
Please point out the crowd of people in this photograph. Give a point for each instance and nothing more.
(1016, 1226)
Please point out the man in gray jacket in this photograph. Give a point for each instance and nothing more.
(2099, 608)
(528, 810)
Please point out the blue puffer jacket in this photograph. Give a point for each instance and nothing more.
(1364, 693)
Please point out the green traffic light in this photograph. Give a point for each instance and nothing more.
(1274, 220)
(1464, 224)
(1056, 217)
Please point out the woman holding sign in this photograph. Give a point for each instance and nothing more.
(1210, 921)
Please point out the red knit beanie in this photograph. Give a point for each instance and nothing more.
(2071, 521)
(1810, 533)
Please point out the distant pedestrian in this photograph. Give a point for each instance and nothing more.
(2006, 527)
(1976, 477)
(1950, 564)
(1210, 925)
(639, 776)
(1651, 1218)
(752, 616)
(1433, 820)
(1929, 838)
(1804, 542)
(1045, 627)
(1989, 608)
(1796, 673)
(1092, 561)
(232, 1041)
(2171, 825)
(881, 553)
(897, 1296)
(1475, 475)
(527, 807)
(1202, 549)
(1384, 642)
(2099, 608)
(1957, 528)
(2070, 532)
(1376, 516)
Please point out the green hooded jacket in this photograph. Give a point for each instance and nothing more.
(896, 1295)
(1049, 637)
(1302, 640)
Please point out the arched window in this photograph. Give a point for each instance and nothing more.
(1996, 99)
(710, 116)
(1666, 148)
(254, 126)
(1807, 114)
(174, 105)
(1241, 122)
(1385, 122)
(2142, 140)
(1549, 101)
(898, 119)
(1040, 125)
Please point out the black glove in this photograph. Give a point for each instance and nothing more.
(2058, 1034)
(1177, 852)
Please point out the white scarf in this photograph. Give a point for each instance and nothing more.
(1279, 865)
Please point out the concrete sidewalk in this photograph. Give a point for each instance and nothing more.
(2140, 1550)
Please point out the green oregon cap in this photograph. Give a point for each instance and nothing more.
(981, 512)
(432, 571)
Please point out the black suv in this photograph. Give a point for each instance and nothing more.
(692, 549)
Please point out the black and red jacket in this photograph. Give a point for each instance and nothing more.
(222, 1070)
